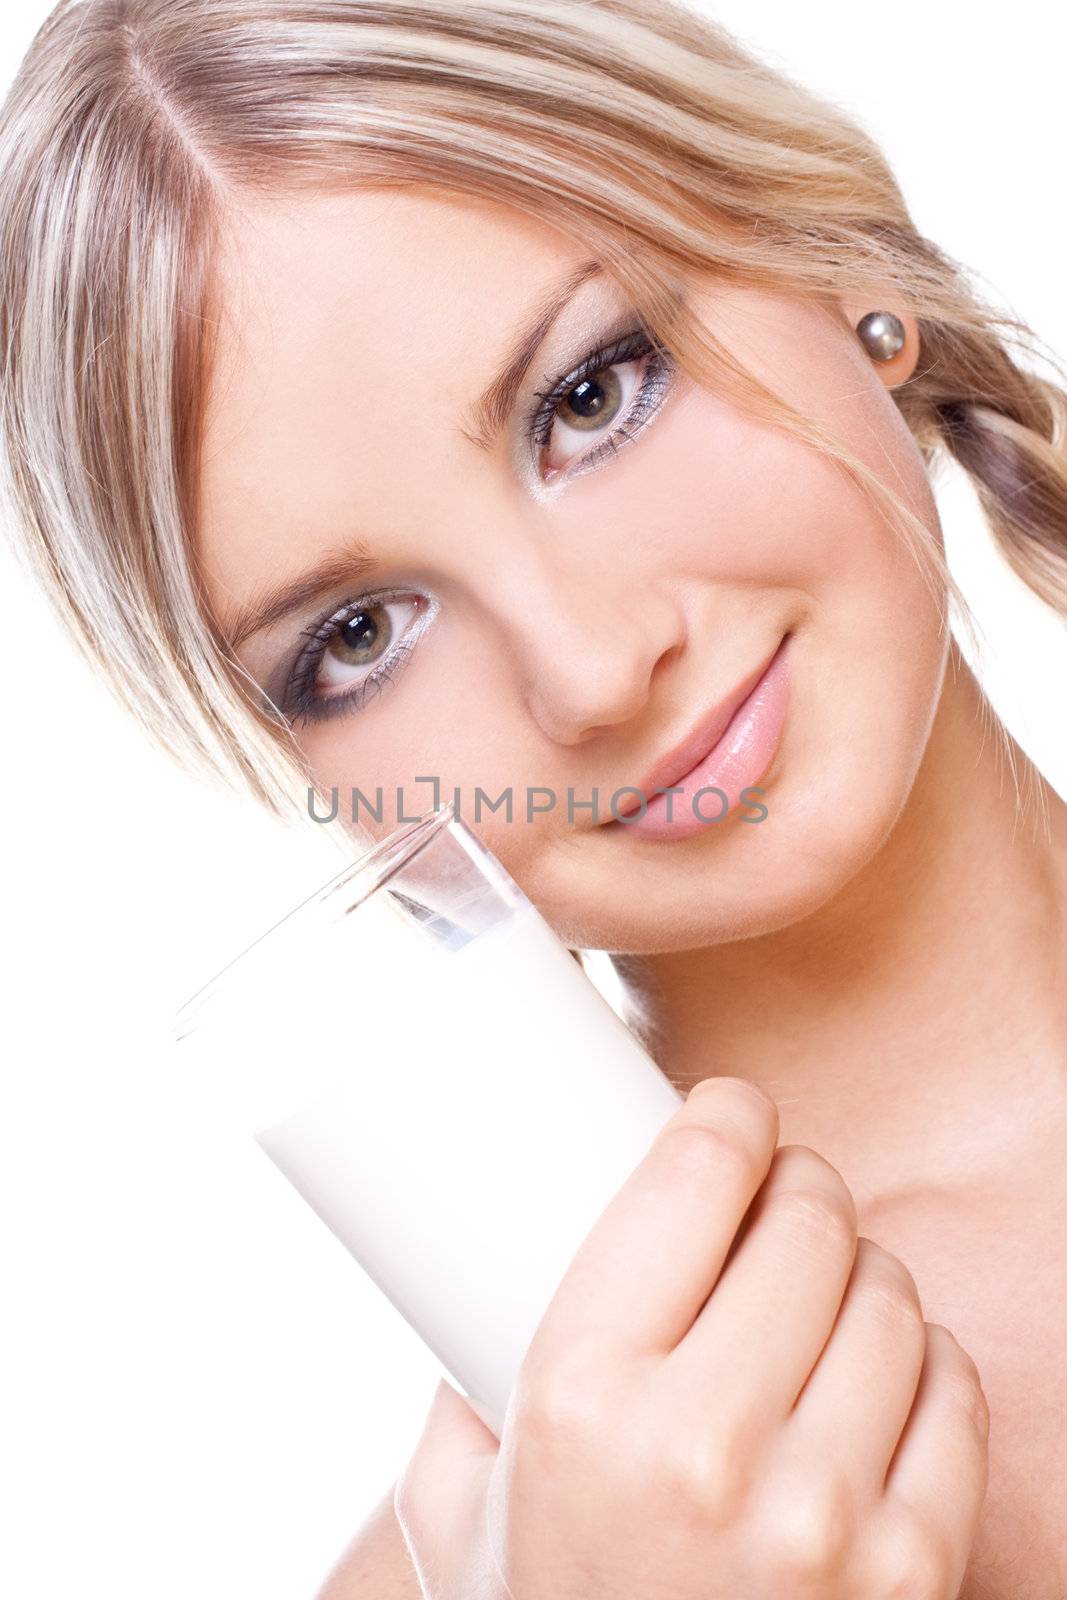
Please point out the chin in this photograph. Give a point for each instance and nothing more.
(747, 880)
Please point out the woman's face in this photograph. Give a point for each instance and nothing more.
(555, 615)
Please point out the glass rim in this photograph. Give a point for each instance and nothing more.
(373, 868)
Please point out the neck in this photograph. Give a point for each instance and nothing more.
(917, 1022)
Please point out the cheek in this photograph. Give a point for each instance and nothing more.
(448, 723)
(762, 523)
(749, 507)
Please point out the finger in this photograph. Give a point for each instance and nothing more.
(649, 1262)
(861, 1390)
(770, 1314)
(941, 1463)
(450, 1455)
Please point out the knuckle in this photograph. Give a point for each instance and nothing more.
(558, 1407)
(811, 1531)
(731, 1091)
(706, 1151)
(964, 1361)
(887, 1286)
(964, 1385)
(916, 1564)
(958, 1370)
(893, 1304)
(710, 1475)
(735, 1105)
(814, 1220)
(797, 1166)
(976, 1406)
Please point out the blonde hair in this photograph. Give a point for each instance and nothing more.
(639, 127)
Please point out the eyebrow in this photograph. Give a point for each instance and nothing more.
(484, 420)
(346, 563)
(488, 415)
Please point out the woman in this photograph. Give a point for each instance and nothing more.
(545, 395)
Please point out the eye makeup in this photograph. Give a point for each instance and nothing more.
(302, 701)
(637, 345)
(351, 626)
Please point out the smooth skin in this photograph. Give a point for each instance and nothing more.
(751, 1413)
(886, 955)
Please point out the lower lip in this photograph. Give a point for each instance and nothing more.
(735, 763)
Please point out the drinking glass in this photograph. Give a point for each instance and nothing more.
(436, 1075)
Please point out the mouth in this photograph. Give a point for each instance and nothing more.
(725, 754)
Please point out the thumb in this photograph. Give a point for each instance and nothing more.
(453, 1453)
(454, 1426)
(459, 1420)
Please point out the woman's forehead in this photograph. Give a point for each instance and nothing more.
(291, 265)
(352, 331)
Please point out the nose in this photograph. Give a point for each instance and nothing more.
(589, 653)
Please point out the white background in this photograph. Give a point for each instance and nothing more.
(203, 1393)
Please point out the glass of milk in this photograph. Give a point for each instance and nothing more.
(432, 1070)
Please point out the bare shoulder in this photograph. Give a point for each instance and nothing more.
(377, 1564)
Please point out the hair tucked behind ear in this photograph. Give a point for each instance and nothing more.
(639, 127)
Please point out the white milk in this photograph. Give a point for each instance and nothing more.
(459, 1129)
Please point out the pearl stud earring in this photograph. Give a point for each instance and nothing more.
(882, 335)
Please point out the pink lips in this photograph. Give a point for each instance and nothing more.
(730, 749)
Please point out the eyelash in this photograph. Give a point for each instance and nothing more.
(301, 705)
(651, 392)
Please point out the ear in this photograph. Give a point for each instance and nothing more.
(905, 361)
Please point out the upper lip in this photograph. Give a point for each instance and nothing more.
(701, 738)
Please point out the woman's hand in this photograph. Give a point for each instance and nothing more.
(716, 1405)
